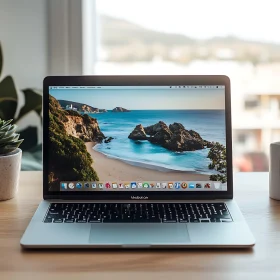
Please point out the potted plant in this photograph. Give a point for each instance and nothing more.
(10, 107)
(10, 159)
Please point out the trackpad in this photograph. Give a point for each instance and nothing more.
(173, 233)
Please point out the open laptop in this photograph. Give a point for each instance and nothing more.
(137, 162)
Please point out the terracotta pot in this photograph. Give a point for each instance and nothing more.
(10, 165)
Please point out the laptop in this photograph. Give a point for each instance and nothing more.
(137, 162)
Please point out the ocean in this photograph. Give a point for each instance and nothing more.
(210, 124)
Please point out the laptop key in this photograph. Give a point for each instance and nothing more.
(183, 220)
(54, 213)
(58, 220)
(127, 219)
(81, 221)
(69, 220)
(48, 220)
(169, 221)
(92, 220)
(194, 220)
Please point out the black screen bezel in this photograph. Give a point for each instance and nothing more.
(163, 80)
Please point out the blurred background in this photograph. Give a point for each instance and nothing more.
(74, 37)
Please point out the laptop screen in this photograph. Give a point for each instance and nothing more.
(137, 138)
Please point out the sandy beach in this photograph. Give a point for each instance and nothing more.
(111, 169)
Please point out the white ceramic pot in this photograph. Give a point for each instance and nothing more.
(10, 165)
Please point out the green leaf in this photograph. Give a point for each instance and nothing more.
(8, 98)
(11, 131)
(9, 139)
(8, 149)
(6, 128)
(5, 123)
(33, 102)
(8, 133)
(17, 143)
(1, 59)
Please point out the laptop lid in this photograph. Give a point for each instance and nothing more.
(137, 137)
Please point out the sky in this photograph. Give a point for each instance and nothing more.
(170, 99)
(247, 19)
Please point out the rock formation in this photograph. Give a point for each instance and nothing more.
(174, 138)
(138, 133)
(88, 109)
(83, 127)
(108, 139)
(120, 109)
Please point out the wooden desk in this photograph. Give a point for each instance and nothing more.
(261, 262)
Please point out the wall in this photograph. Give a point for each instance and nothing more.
(23, 35)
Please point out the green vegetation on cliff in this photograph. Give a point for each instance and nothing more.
(217, 154)
(69, 157)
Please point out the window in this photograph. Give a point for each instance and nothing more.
(251, 103)
(199, 37)
(241, 138)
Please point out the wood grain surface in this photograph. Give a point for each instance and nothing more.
(261, 262)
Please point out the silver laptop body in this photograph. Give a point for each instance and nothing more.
(137, 162)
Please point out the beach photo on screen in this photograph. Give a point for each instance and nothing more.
(137, 134)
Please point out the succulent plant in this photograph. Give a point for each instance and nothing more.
(8, 137)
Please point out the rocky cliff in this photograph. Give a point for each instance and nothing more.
(69, 157)
(83, 127)
(80, 107)
(120, 109)
(79, 126)
(173, 137)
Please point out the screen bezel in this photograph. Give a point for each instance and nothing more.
(163, 80)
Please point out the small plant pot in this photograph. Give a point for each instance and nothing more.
(10, 165)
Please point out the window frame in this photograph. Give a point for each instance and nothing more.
(71, 36)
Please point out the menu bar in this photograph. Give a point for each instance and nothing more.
(192, 87)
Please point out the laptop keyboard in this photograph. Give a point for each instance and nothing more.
(137, 213)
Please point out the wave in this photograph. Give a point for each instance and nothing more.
(158, 167)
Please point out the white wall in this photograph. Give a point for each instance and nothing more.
(23, 36)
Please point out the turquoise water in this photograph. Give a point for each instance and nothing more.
(210, 124)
